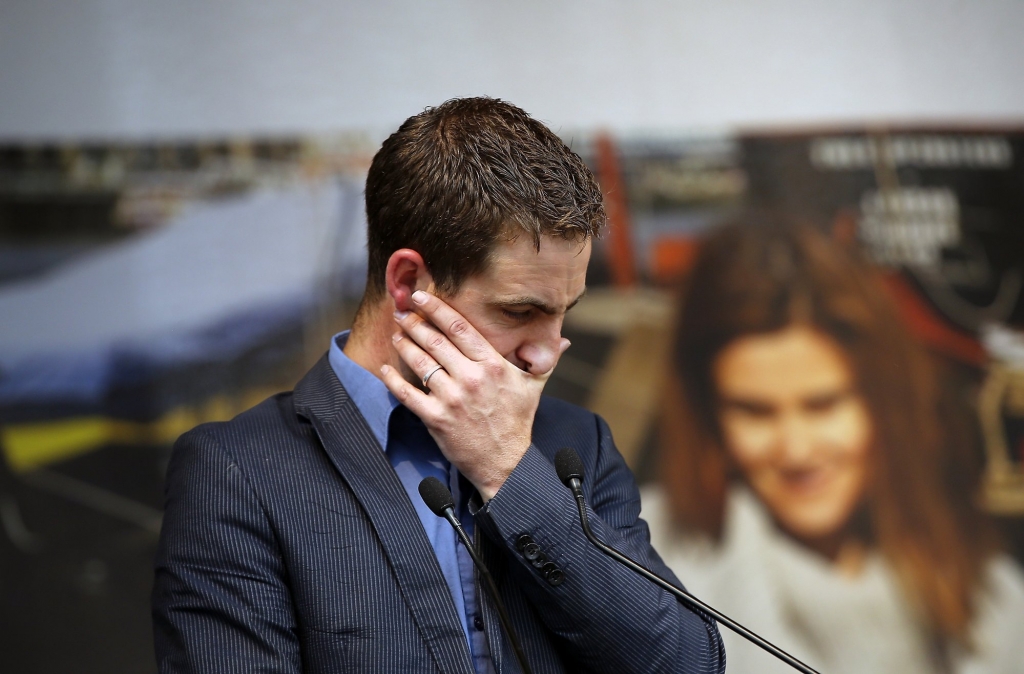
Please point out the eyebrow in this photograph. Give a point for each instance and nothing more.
(526, 300)
(746, 404)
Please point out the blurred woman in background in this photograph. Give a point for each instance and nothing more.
(812, 486)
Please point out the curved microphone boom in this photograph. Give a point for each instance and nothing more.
(570, 472)
(439, 499)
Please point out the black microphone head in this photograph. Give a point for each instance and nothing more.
(568, 465)
(436, 495)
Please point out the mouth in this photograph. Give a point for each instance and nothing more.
(515, 361)
(807, 481)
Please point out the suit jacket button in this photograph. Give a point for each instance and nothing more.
(539, 561)
(478, 623)
(553, 574)
(523, 541)
(531, 551)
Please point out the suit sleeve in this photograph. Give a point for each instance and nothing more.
(609, 618)
(220, 599)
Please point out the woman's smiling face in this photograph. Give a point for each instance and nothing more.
(794, 422)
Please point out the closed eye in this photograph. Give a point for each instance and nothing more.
(520, 316)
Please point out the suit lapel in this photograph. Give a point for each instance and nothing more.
(355, 453)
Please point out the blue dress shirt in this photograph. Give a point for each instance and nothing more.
(414, 455)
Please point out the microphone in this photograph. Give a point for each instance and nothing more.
(439, 499)
(570, 472)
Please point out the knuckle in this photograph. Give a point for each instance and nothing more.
(458, 327)
(436, 341)
(473, 382)
(421, 363)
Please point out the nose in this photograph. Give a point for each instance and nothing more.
(540, 350)
(796, 439)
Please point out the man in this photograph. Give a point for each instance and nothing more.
(294, 538)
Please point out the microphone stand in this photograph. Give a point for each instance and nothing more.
(573, 481)
(439, 500)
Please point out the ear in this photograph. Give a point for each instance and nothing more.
(406, 273)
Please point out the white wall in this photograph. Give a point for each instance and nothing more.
(115, 68)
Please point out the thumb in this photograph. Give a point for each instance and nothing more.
(563, 346)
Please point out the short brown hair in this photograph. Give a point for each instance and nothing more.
(455, 178)
(762, 274)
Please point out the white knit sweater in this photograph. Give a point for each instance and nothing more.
(837, 624)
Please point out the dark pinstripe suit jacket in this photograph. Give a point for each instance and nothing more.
(290, 545)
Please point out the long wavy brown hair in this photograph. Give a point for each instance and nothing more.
(760, 275)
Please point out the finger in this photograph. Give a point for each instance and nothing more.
(418, 360)
(433, 341)
(454, 326)
(418, 402)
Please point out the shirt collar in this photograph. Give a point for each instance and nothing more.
(369, 393)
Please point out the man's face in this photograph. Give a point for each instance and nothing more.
(519, 302)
